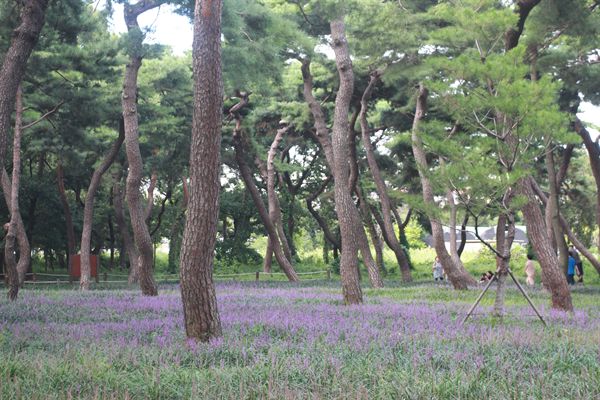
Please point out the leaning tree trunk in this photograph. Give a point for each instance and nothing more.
(10, 250)
(24, 38)
(388, 229)
(272, 233)
(552, 276)
(88, 209)
(141, 235)
(200, 312)
(273, 201)
(456, 272)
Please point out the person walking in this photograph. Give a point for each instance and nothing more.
(578, 264)
(530, 270)
(571, 270)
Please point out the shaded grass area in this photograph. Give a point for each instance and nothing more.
(295, 341)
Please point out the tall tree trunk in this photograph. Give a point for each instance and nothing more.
(201, 315)
(62, 193)
(88, 209)
(24, 38)
(268, 261)
(24, 261)
(338, 156)
(456, 272)
(282, 260)
(594, 156)
(386, 208)
(348, 216)
(10, 249)
(553, 227)
(141, 235)
(552, 276)
(128, 244)
(273, 201)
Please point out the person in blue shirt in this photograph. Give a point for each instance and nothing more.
(571, 269)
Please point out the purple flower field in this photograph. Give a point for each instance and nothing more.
(289, 342)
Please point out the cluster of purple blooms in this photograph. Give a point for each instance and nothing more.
(303, 328)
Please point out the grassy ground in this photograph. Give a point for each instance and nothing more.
(297, 341)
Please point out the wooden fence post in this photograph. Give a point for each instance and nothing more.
(328, 274)
(257, 276)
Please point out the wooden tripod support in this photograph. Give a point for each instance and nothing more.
(488, 286)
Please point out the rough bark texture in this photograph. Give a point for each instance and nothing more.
(552, 276)
(141, 234)
(88, 209)
(10, 248)
(457, 274)
(268, 261)
(23, 40)
(594, 156)
(282, 260)
(200, 310)
(62, 194)
(386, 209)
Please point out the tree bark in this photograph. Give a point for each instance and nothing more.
(552, 276)
(329, 236)
(200, 311)
(62, 193)
(24, 38)
(386, 208)
(141, 235)
(456, 272)
(88, 209)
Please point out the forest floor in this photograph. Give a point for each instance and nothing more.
(298, 341)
